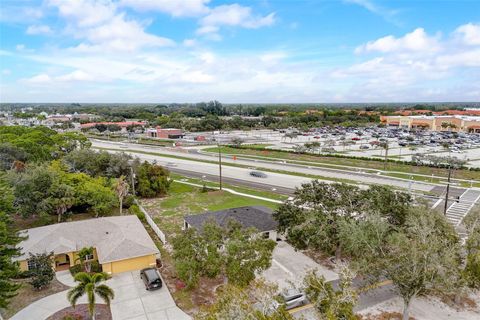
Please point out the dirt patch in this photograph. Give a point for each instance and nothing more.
(27, 295)
(384, 316)
(320, 258)
(102, 312)
(459, 303)
(192, 300)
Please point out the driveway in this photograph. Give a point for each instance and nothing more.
(132, 301)
(289, 265)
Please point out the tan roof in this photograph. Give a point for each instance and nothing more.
(115, 238)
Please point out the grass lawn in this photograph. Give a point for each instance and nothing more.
(353, 163)
(27, 295)
(182, 199)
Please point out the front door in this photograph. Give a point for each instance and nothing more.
(62, 262)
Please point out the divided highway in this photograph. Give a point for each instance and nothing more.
(273, 179)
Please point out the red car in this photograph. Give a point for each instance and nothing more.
(356, 139)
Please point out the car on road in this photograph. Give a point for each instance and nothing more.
(258, 174)
(171, 164)
(293, 298)
(151, 278)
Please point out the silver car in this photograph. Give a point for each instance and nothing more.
(293, 299)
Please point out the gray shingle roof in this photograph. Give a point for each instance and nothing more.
(256, 216)
(115, 238)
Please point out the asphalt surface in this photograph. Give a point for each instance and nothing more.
(273, 179)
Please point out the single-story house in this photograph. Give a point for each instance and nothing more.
(258, 217)
(120, 243)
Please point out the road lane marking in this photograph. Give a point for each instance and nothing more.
(283, 267)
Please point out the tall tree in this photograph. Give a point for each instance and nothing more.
(9, 240)
(121, 189)
(330, 303)
(420, 257)
(311, 219)
(61, 198)
(237, 252)
(152, 179)
(90, 285)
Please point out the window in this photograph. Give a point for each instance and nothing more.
(89, 257)
(31, 264)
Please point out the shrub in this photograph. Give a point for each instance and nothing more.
(128, 201)
(134, 209)
(76, 269)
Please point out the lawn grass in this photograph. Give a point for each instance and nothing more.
(182, 200)
(349, 162)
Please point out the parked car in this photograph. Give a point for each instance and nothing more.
(151, 278)
(258, 174)
(293, 299)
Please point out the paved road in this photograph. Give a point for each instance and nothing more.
(240, 173)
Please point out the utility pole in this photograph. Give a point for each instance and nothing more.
(448, 190)
(220, 165)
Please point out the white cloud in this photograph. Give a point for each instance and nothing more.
(38, 29)
(189, 42)
(417, 40)
(233, 15)
(39, 79)
(77, 75)
(176, 8)
(103, 28)
(469, 33)
(387, 14)
(85, 13)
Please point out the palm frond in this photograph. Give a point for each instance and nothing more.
(105, 292)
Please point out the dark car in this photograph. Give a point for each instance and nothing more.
(151, 278)
(258, 174)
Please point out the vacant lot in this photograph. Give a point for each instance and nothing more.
(182, 200)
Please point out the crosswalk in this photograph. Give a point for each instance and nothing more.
(459, 209)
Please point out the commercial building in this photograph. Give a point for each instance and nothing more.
(120, 244)
(454, 123)
(167, 133)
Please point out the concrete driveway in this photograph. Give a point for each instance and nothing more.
(290, 266)
(133, 302)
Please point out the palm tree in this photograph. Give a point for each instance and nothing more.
(62, 199)
(121, 189)
(90, 285)
(83, 254)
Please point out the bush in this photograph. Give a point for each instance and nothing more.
(128, 201)
(76, 269)
(134, 209)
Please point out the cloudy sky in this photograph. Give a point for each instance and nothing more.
(239, 51)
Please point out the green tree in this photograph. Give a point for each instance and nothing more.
(91, 286)
(257, 302)
(237, 252)
(332, 304)
(152, 180)
(246, 254)
(61, 198)
(83, 255)
(420, 257)
(9, 239)
(42, 273)
(312, 218)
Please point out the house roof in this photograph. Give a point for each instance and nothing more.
(114, 238)
(257, 216)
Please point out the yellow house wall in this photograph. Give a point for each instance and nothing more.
(129, 264)
(72, 255)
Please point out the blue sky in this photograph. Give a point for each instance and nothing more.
(239, 51)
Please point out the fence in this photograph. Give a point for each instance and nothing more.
(153, 225)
